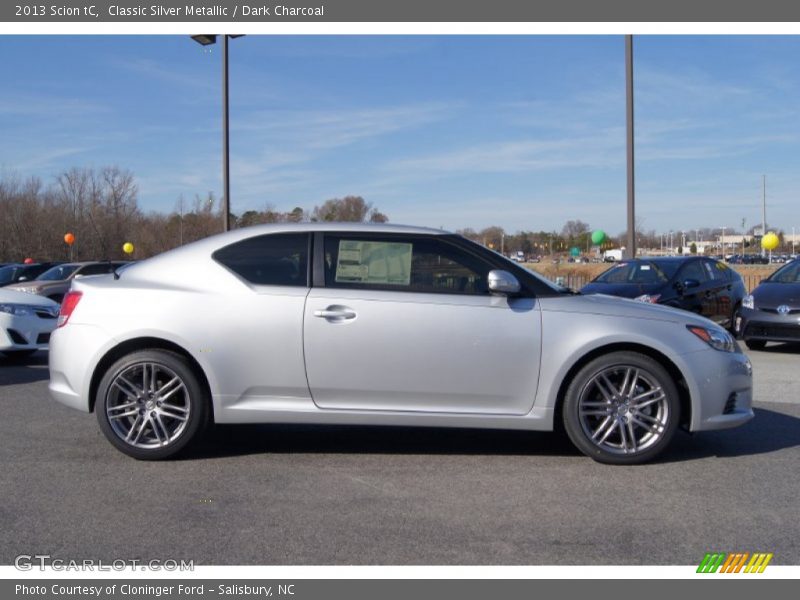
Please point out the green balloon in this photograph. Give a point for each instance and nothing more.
(575, 251)
(598, 237)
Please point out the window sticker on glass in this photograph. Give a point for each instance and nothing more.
(644, 267)
(381, 263)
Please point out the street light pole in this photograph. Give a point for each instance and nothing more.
(226, 164)
(631, 251)
(207, 40)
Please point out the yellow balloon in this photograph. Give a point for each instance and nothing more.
(127, 248)
(770, 241)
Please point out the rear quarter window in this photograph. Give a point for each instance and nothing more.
(273, 259)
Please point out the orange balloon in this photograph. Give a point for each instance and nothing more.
(69, 239)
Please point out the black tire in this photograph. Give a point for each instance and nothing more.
(590, 402)
(756, 344)
(162, 426)
(19, 354)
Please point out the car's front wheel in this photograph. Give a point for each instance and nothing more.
(150, 404)
(621, 408)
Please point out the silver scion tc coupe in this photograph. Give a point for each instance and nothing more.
(384, 325)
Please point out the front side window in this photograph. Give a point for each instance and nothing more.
(694, 270)
(273, 259)
(414, 264)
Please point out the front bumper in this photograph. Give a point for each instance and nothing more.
(757, 324)
(25, 332)
(721, 386)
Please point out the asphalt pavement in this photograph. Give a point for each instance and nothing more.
(277, 494)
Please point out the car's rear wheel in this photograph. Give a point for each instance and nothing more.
(756, 344)
(621, 408)
(151, 405)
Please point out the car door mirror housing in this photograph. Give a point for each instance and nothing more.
(503, 282)
(691, 283)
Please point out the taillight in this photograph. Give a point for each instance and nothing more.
(68, 305)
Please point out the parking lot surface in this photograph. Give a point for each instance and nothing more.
(279, 494)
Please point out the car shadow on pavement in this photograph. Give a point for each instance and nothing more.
(769, 431)
(235, 440)
(782, 348)
(21, 370)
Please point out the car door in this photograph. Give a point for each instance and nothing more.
(719, 292)
(696, 299)
(406, 323)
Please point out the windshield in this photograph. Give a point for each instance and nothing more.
(788, 273)
(639, 272)
(57, 273)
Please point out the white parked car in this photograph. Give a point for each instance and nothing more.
(26, 322)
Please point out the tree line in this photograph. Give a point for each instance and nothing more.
(100, 208)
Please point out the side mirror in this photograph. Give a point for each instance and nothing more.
(503, 282)
(691, 283)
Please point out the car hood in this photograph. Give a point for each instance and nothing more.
(624, 290)
(772, 295)
(615, 306)
(15, 297)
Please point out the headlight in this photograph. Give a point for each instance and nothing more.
(651, 298)
(748, 302)
(30, 289)
(19, 310)
(719, 339)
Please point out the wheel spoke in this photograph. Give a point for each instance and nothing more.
(164, 388)
(623, 388)
(642, 415)
(127, 388)
(634, 379)
(606, 387)
(654, 429)
(133, 426)
(166, 411)
(647, 398)
(125, 406)
(153, 378)
(631, 435)
(158, 424)
(598, 412)
(172, 392)
(130, 413)
(612, 425)
(623, 439)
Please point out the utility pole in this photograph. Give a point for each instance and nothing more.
(631, 250)
(763, 210)
(722, 241)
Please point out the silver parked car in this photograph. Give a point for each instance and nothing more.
(386, 325)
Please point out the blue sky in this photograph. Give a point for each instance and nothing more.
(525, 132)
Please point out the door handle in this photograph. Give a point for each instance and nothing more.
(335, 313)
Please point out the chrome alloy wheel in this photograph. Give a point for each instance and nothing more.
(623, 410)
(148, 405)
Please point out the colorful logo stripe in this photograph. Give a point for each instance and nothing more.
(734, 562)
